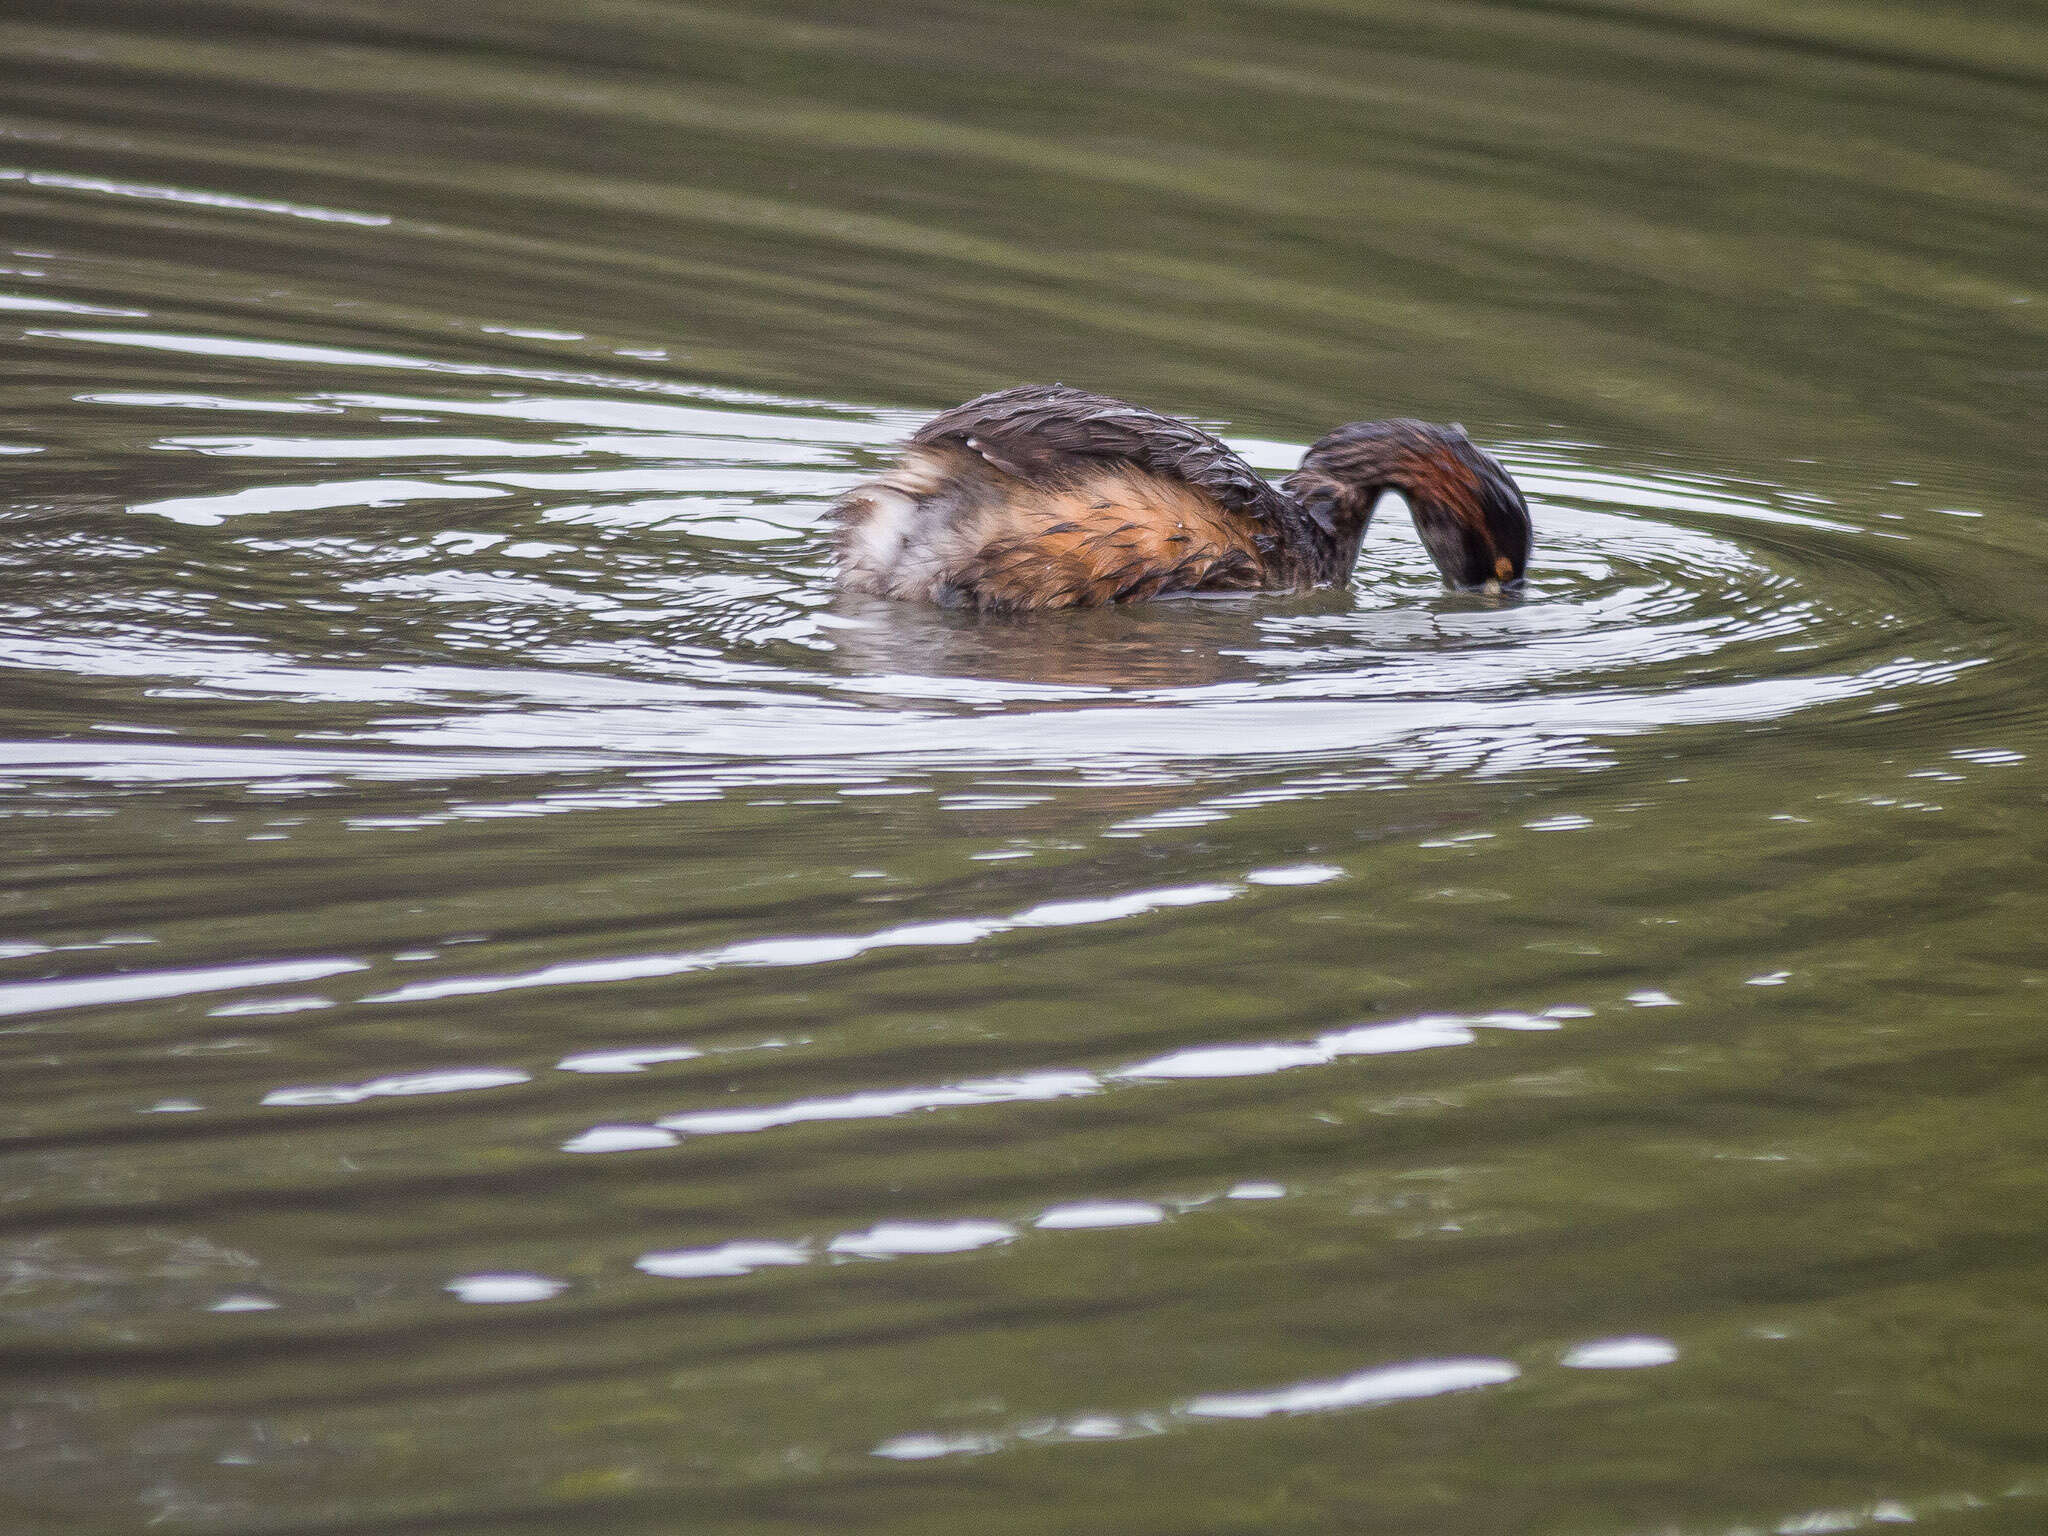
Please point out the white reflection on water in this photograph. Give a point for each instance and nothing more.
(1620, 1354)
(1388, 1384)
(365, 447)
(611, 728)
(24, 303)
(621, 1138)
(1423, 1034)
(1365, 1389)
(266, 1006)
(64, 181)
(1294, 874)
(498, 1290)
(628, 1060)
(452, 1080)
(890, 1239)
(884, 1103)
(243, 1303)
(209, 511)
(899, 1239)
(814, 949)
(83, 991)
(199, 402)
(729, 1259)
(1100, 1213)
(1429, 1032)
(925, 1447)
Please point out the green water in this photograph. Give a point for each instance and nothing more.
(523, 1012)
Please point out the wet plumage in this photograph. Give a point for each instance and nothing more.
(1049, 497)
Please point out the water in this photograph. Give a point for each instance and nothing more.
(522, 1011)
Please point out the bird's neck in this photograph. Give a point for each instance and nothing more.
(1322, 556)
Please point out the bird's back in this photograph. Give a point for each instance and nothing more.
(1047, 497)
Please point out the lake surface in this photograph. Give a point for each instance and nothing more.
(521, 1011)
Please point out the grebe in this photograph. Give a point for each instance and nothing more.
(1049, 497)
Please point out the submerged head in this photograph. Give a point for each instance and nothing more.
(1470, 514)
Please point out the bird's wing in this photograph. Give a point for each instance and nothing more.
(1050, 435)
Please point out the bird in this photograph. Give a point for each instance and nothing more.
(1049, 497)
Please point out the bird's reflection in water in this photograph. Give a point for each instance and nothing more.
(1184, 643)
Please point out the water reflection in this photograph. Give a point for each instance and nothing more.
(1365, 1389)
(522, 1009)
(501, 1290)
